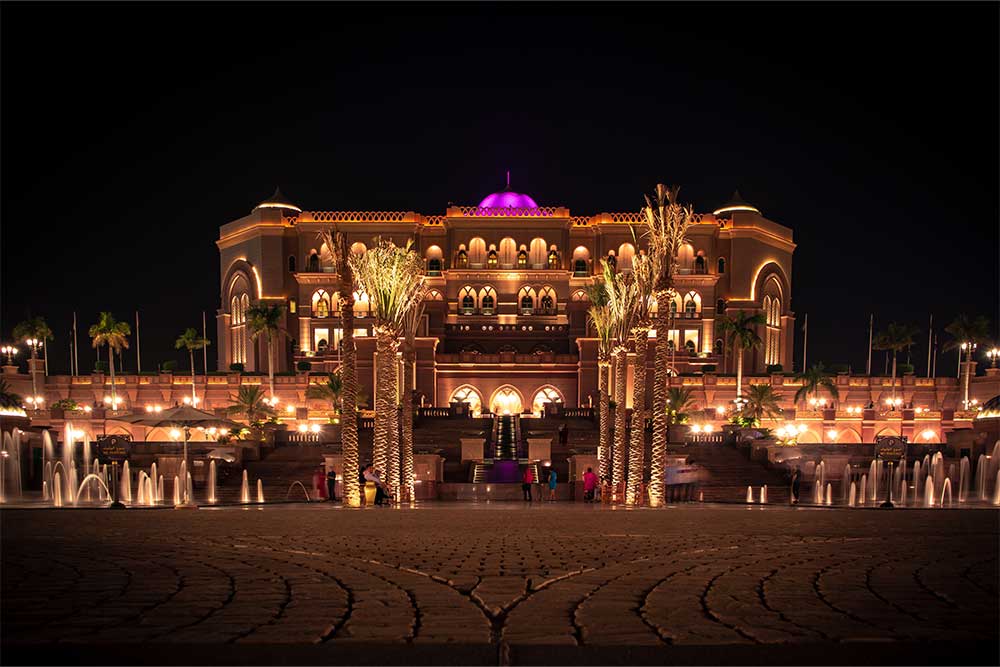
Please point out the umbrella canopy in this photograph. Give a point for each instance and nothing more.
(182, 415)
(227, 454)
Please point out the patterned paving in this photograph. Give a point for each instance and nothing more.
(506, 579)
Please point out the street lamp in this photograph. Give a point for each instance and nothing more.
(35, 344)
(992, 354)
(10, 351)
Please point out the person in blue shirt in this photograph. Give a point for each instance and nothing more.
(552, 484)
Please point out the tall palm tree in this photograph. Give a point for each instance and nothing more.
(331, 391)
(191, 341)
(894, 339)
(666, 228)
(109, 331)
(8, 399)
(36, 328)
(642, 269)
(622, 297)
(600, 316)
(336, 242)
(740, 334)
(760, 400)
(968, 331)
(265, 321)
(392, 278)
(813, 380)
(410, 328)
(250, 401)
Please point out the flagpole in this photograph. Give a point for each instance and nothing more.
(871, 325)
(805, 341)
(934, 359)
(930, 337)
(76, 347)
(138, 353)
(204, 350)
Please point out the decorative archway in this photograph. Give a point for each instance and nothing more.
(847, 436)
(468, 394)
(506, 400)
(546, 394)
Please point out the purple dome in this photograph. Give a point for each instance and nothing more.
(508, 199)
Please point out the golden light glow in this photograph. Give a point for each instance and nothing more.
(738, 207)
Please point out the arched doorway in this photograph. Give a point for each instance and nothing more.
(547, 394)
(468, 394)
(506, 401)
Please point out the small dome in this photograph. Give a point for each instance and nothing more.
(736, 203)
(278, 200)
(507, 198)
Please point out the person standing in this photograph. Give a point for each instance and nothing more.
(589, 484)
(526, 482)
(331, 485)
(552, 484)
(795, 486)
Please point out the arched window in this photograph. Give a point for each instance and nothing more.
(772, 317)
(508, 253)
(434, 260)
(685, 258)
(312, 265)
(719, 345)
(545, 395)
(467, 300)
(435, 295)
(468, 394)
(537, 254)
(291, 263)
(720, 306)
(239, 304)
(477, 253)
(320, 304)
(492, 259)
(580, 295)
(721, 265)
(626, 252)
(362, 306)
(522, 258)
(526, 300)
(612, 260)
(673, 307)
(358, 248)
(461, 258)
(689, 346)
(487, 300)
(692, 304)
(434, 267)
(547, 301)
(553, 258)
(581, 257)
(699, 264)
(506, 401)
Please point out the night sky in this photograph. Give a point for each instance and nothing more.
(130, 133)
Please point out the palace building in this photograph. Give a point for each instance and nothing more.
(505, 328)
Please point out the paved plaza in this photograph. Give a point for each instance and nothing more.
(500, 584)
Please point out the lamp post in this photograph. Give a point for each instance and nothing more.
(992, 354)
(969, 348)
(10, 351)
(34, 344)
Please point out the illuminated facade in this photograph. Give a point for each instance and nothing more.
(506, 327)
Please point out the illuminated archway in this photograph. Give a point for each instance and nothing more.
(847, 436)
(547, 394)
(506, 400)
(468, 394)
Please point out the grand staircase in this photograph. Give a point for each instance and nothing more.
(728, 473)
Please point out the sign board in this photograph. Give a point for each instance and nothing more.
(890, 448)
(113, 449)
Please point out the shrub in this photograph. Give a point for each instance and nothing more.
(304, 365)
(66, 404)
(101, 366)
(168, 366)
(904, 368)
(237, 366)
(774, 368)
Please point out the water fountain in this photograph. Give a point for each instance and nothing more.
(305, 491)
(996, 490)
(916, 479)
(851, 494)
(57, 498)
(156, 479)
(177, 490)
(260, 490)
(872, 489)
(126, 485)
(820, 475)
(845, 481)
(817, 493)
(829, 493)
(245, 489)
(946, 493)
(863, 490)
(159, 490)
(902, 494)
(929, 492)
(190, 489)
(95, 478)
(71, 483)
(749, 494)
(140, 490)
(963, 479)
(45, 490)
(151, 498)
(183, 475)
(46, 479)
(211, 481)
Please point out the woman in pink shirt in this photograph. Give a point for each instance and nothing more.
(589, 484)
(526, 482)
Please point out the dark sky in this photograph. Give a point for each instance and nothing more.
(131, 132)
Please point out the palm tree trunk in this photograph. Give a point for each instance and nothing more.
(409, 363)
(194, 396)
(111, 366)
(384, 390)
(603, 370)
(637, 446)
(621, 412)
(894, 377)
(270, 363)
(392, 477)
(739, 370)
(965, 383)
(658, 456)
(349, 411)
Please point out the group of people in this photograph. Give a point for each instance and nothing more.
(528, 480)
(367, 474)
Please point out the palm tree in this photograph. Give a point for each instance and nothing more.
(666, 228)
(336, 242)
(266, 321)
(410, 327)
(813, 380)
(967, 333)
(740, 333)
(622, 298)
(679, 399)
(642, 269)
(8, 399)
(331, 391)
(109, 331)
(760, 400)
(38, 329)
(600, 316)
(391, 276)
(191, 341)
(251, 402)
(895, 338)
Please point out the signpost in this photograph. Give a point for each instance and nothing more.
(114, 449)
(891, 449)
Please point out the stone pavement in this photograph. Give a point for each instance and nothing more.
(502, 584)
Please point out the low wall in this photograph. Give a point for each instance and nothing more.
(499, 492)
